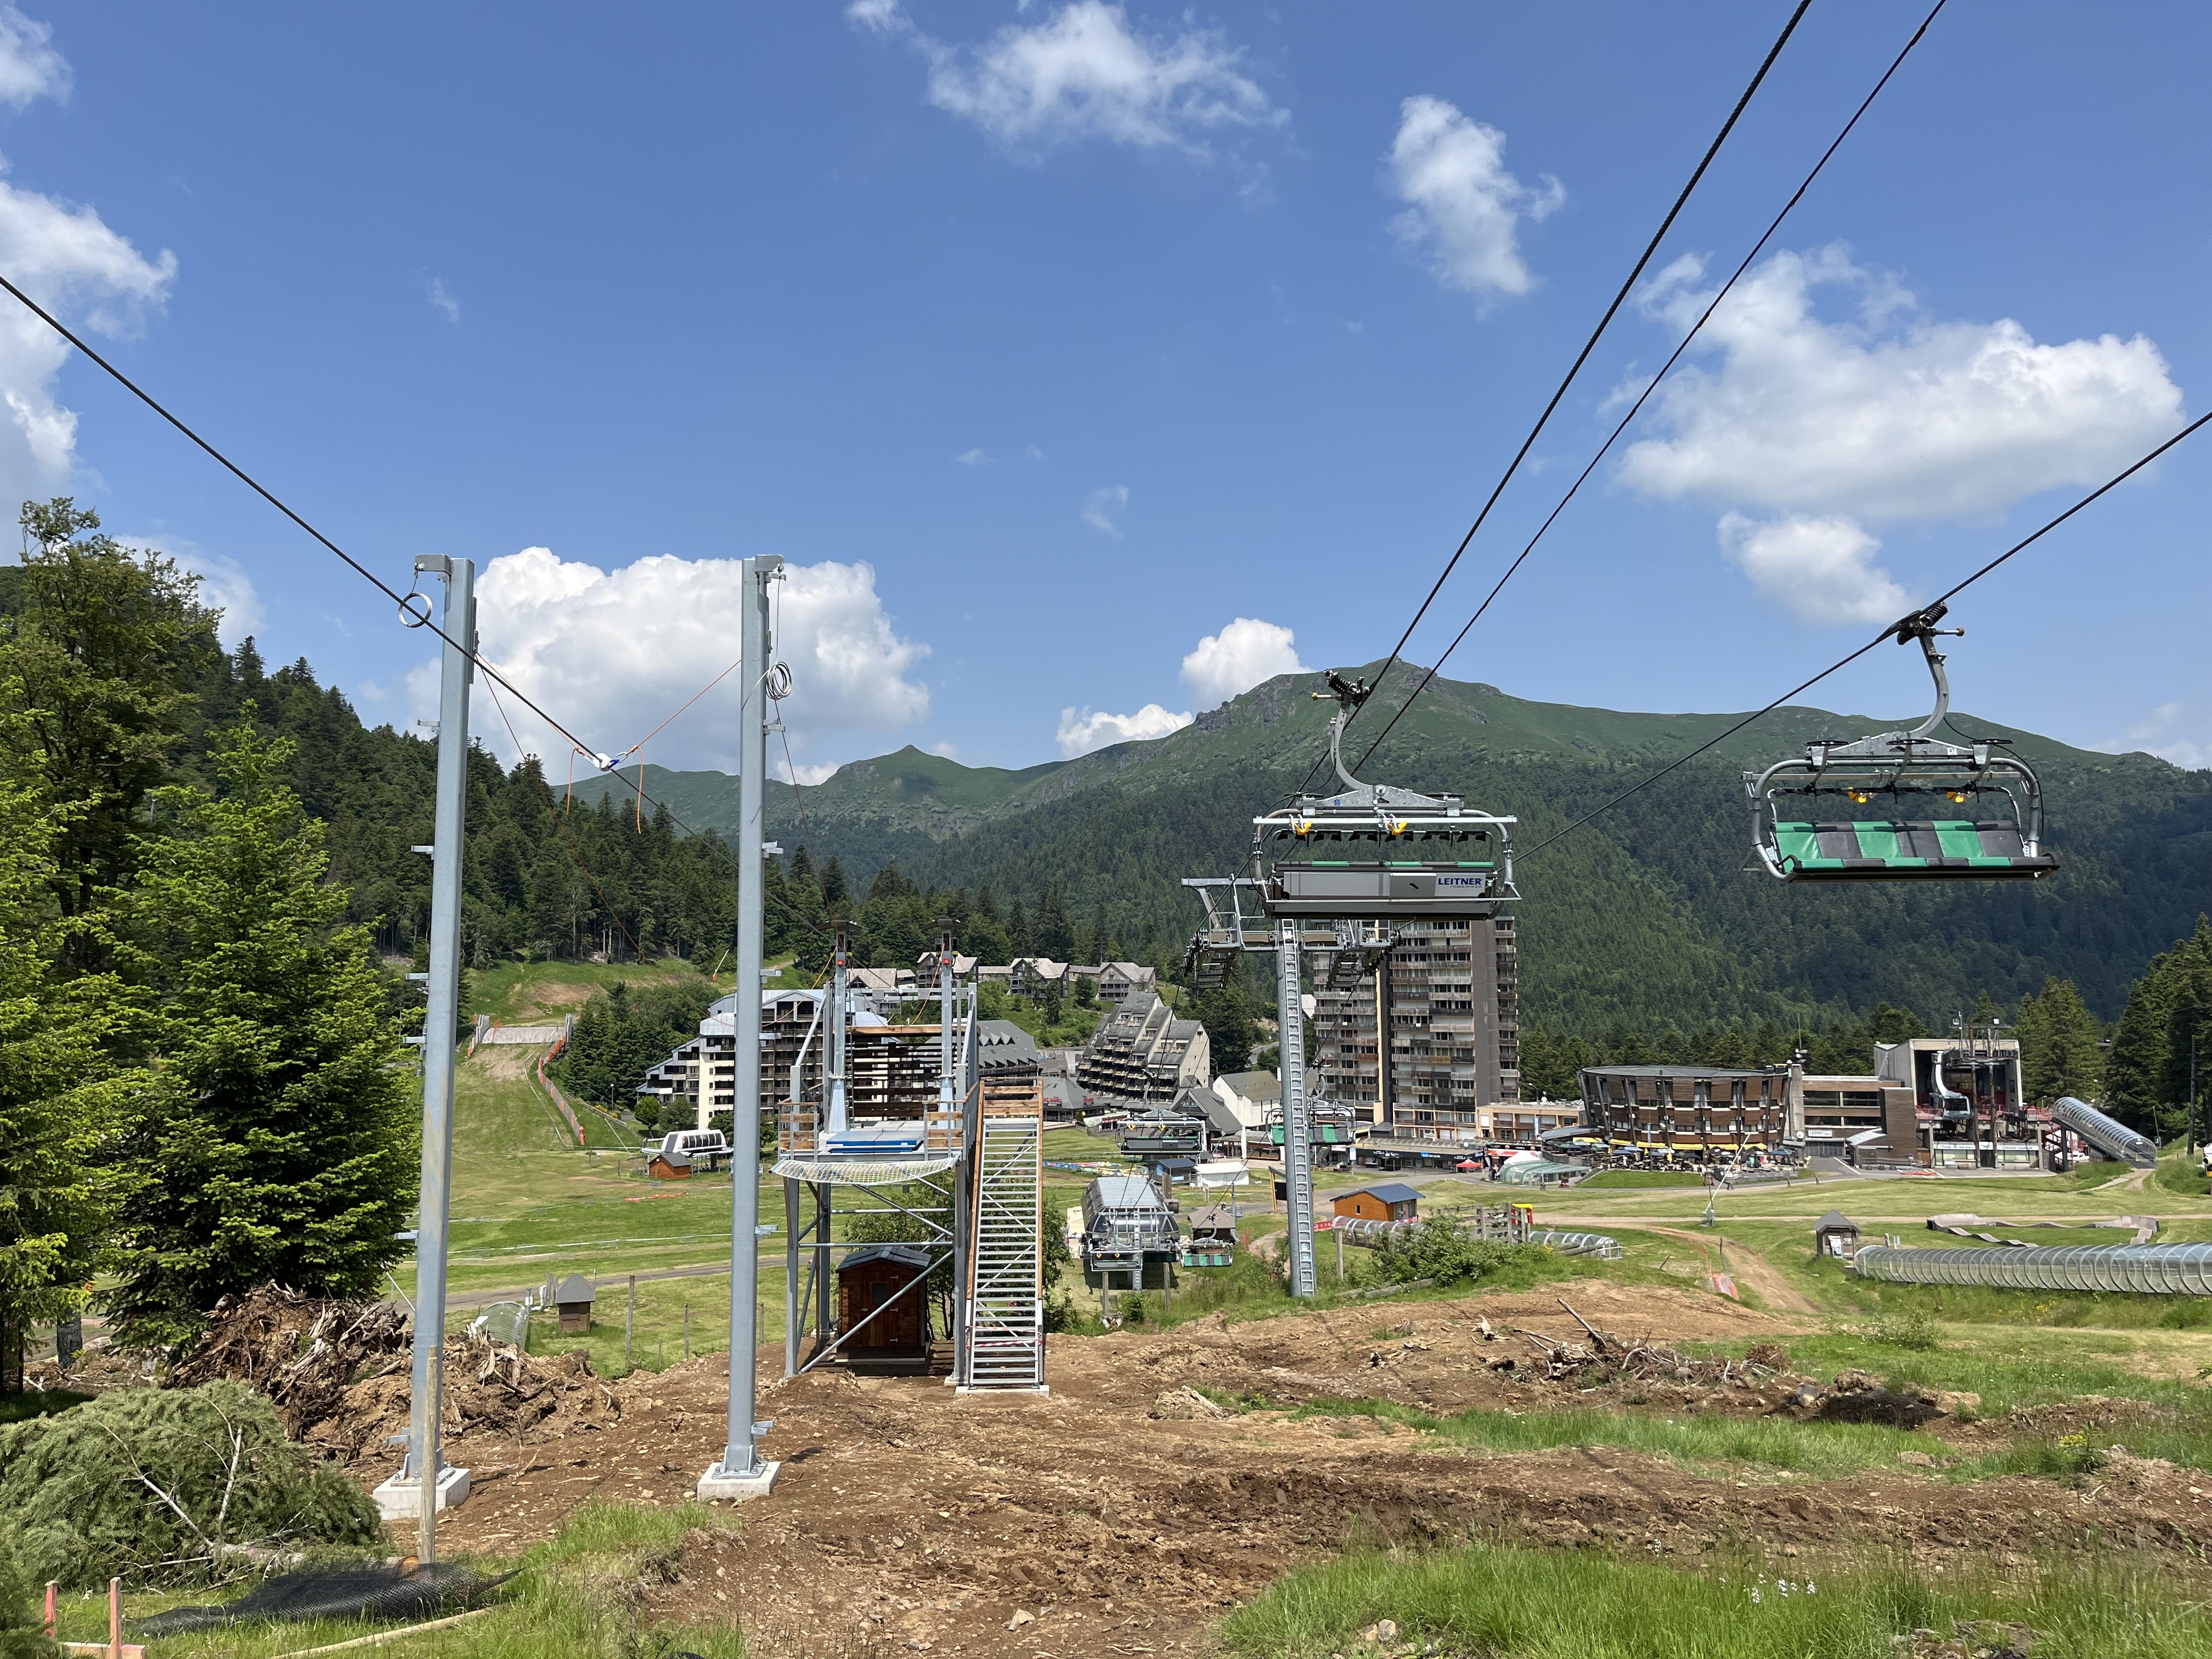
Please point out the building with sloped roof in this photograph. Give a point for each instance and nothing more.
(1142, 1051)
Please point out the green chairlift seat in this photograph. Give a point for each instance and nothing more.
(1894, 850)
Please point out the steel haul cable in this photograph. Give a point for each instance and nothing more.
(1590, 344)
(1645, 397)
(1886, 634)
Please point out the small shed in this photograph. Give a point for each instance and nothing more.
(573, 1297)
(1835, 1233)
(871, 1277)
(670, 1166)
(1389, 1201)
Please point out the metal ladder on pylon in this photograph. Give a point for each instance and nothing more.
(1006, 1298)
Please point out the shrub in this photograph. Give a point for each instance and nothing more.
(1438, 1250)
(1915, 1328)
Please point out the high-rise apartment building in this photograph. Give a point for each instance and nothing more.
(1432, 1036)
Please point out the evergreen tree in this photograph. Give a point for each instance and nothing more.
(99, 668)
(2058, 1051)
(1091, 949)
(1021, 940)
(2147, 1077)
(1055, 933)
(1230, 1026)
(278, 1141)
(837, 891)
(53, 1105)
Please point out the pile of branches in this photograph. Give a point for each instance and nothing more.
(338, 1374)
(298, 1352)
(491, 1389)
(169, 1486)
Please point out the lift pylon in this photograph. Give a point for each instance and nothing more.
(1333, 874)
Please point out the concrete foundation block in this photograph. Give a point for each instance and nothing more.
(715, 1486)
(401, 1500)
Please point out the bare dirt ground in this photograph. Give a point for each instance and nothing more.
(1125, 1512)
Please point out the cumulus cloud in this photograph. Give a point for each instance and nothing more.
(1884, 414)
(224, 585)
(614, 653)
(442, 299)
(1099, 511)
(1821, 568)
(1464, 208)
(68, 261)
(1084, 730)
(2177, 732)
(1241, 656)
(1086, 73)
(30, 68)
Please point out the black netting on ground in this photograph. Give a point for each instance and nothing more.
(377, 1592)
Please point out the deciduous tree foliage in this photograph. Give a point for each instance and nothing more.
(276, 1137)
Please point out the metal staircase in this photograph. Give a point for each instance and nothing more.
(1005, 1264)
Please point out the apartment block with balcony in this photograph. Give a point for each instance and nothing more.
(1429, 1042)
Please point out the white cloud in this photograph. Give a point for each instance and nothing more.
(1886, 415)
(1086, 73)
(973, 457)
(224, 584)
(1081, 731)
(1464, 208)
(801, 772)
(442, 298)
(1099, 511)
(30, 68)
(1821, 568)
(1242, 655)
(2177, 732)
(613, 654)
(73, 264)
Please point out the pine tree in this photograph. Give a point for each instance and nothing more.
(2136, 1073)
(1055, 932)
(1021, 940)
(2058, 1051)
(278, 1139)
(54, 1102)
(100, 670)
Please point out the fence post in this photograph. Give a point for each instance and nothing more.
(629, 1323)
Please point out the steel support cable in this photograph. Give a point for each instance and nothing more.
(1590, 344)
(1886, 634)
(1645, 397)
(635, 948)
(253, 484)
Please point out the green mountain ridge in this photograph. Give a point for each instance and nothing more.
(1645, 916)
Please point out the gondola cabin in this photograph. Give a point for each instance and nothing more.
(882, 1296)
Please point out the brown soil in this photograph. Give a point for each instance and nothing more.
(503, 1062)
(1125, 1511)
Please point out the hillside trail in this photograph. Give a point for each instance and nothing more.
(1744, 1263)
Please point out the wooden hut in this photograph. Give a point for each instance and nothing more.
(869, 1279)
(1837, 1235)
(1389, 1200)
(573, 1297)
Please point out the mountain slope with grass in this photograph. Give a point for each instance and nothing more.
(1646, 916)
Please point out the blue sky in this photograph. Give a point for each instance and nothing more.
(1048, 342)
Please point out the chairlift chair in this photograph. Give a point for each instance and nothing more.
(1796, 842)
(1371, 852)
